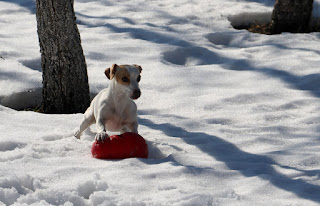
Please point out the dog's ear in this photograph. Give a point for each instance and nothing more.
(139, 67)
(110, 72)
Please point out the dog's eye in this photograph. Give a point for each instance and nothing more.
(125, 79)
(139, 78)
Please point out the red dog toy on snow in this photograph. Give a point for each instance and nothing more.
(122, 146)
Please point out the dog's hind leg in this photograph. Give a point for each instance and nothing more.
(88, 119)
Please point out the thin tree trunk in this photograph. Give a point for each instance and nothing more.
(291, 16)
(65, 79)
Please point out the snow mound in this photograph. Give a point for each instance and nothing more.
(249, 18)
(23, 100)
(11, 188)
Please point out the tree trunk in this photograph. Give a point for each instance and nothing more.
(65, 79)
(291, 16)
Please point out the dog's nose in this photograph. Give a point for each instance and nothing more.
(136, 94)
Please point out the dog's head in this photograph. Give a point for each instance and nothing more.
(127, 77)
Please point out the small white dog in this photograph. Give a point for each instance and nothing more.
(113, 109)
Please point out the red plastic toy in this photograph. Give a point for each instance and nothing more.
(122, 146)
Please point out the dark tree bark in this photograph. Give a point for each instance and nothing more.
(65, 79)
(291, 16)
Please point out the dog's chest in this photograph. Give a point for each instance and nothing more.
(116, 122)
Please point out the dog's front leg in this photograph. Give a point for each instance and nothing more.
(133, 127)
(124, 130)
(87, 120)
(101, 131)
(101, 113)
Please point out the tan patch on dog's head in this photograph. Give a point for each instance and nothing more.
(122, 75)
(110, 72)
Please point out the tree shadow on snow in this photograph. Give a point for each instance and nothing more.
(143, 34)
(264, 2)
(248, 164)
(28, 4)
(310, 82)
(186, 51)
(189, 54)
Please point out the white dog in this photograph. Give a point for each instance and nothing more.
(113, 109)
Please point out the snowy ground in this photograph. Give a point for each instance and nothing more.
(231, 117)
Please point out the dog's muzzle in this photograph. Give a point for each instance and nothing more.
(136, 94)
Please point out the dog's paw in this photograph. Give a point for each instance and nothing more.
(101, 136)
(77, 134)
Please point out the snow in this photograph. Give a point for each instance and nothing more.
(231, 117)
